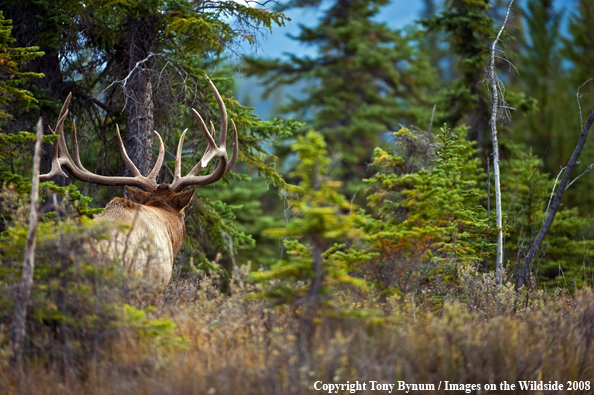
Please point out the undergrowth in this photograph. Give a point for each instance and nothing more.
(197, 340)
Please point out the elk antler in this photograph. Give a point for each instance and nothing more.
(61, 156)
(212, 151)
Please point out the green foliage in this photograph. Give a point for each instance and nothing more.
(468, 30)
(430, 221)
(468, 27)
(207, 222)
(13, 97)
(201, 32)
(315, 200)
(577, 47)
(158, 333)
(577, 53)
(324, 222)
(542, 77)
(17, 190)
(251, 203)
(254, 132)
(18, 146)
(77, 298)
(73, 303)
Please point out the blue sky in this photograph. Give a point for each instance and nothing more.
(397, 14)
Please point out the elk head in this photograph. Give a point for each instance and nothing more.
(155, 212)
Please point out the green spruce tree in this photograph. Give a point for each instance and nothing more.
(468, 29)
(14, 100)
(430, 220)
(320, 241)
(578, 49)
(366, 79)
(540, 64)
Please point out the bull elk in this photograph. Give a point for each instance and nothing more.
(155, 213)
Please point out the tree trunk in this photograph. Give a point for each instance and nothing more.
(139, 93)
(309, 310)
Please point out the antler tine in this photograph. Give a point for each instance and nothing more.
(59, 145)
(222, 112)
(235, 149)
(178, 154)
(56, 169)
(64, 110)
(75, 152)
(157, 168)
(210, 150)
(125, 156)
(62, 147)
(213, 131)
(211, 141)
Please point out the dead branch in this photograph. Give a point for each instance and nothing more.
(20, 316)
(544, 217)
(588, 169)
(573, 161)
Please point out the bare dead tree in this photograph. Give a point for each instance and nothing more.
(534, 247)
(17, 333)
(497, 90)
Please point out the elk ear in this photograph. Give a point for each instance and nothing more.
(135, 195)
(182, 199)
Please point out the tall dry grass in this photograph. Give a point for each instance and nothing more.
(229, 344)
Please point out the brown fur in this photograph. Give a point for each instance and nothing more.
(157, 220)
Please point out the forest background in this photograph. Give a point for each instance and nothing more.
(364, 196)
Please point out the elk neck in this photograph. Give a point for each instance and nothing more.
(157, 213)
(174, 222)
